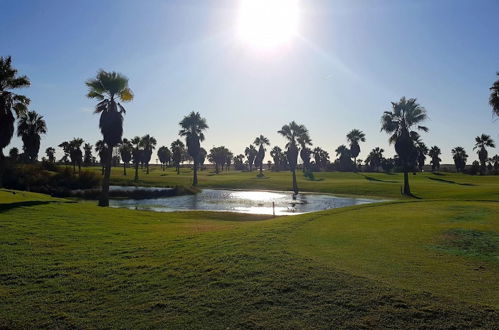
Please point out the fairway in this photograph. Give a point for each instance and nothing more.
(429, 262)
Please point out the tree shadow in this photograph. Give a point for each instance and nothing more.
(370, 178)
(9, 206)
(451, 182)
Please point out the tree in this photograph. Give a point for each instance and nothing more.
(75, 153)
(321, 158)
(218, 156)
(164, 156)
(481, 143)
(398, 122)
(460, 157)
(435, 160)
(375, 158)
(14, 154)
(177, 148)
(202, 157)
(494, 97)
(261, 141)
(148, 144)
(10, 102)
(125, 150)
(239, 162)
(50, 152)
(106, 87)
(250, 153)
(101, 149)
(344, 158)
(278, 157)
(31, 125)
(192, 128)
(137, 154)
(354, 137)
(422, 152)
(304, 141)
(87, 154)
(293, 133)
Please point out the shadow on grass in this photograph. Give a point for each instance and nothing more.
(370, 178)
(9, 206)
(451, 182)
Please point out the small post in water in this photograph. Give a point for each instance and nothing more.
(273, 209)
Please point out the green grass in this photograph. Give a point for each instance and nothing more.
(408, 263)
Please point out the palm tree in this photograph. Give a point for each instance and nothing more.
(50, 152)
(344, 158)
(422, 152)
(321, 158)
(398, 122)
(10, 102)
(375, 158)
(435, 160)
(107, 87)
(304, 141)
(261, 141)
(293, 133)
(148, 144)
(125, 150)
(101, 149)
(482, 142)
(75, 153)
(494, 97)
(354, 137)
(177, 148)
(277, 156)
(193, 127)
(202, 157)
(31, 125)
(250, 153)
(137, 154)
(14, 154)
(87, 154)
(164, 156)
(460, 157)
(219, 156)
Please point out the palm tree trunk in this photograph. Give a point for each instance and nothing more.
(261, 168)
(295, 185)
(136, 171)
(104, 199)
(407, 189)
(195, 178)
(124, 168)
(178, 169)
(147, 168)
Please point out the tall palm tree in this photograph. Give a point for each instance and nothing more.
(250, 153)
(148, 144)
(10, 102)
(460, 157)
(482, 142)
(434, 154)
(107, 87)
(50, 152)
(31, 125)
(192, 128)
(304, 141)
(293, 133)
(101, 149)
(137, 153)
(125, 150)
(75, 153)
(178, 151)
(261, 141)
(87, 154)
(494, 97)
(422, 150)
(354, 137)
(405, 115)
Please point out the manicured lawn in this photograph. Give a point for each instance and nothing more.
(430, 262)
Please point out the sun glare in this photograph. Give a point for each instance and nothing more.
(267, 24)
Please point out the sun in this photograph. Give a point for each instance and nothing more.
(267, 24)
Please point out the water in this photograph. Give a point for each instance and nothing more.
(248, 201)
(133, 188)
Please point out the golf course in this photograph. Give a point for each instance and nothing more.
(427, 261)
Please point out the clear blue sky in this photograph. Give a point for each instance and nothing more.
(349, 62)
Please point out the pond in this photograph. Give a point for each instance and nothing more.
(246, 201)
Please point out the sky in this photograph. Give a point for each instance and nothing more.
(345, 64)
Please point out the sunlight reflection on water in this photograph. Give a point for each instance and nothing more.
(255, 202)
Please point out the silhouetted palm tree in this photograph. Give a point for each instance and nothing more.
(482, 142)
(75, 153)
(278, 157)
(125, 149)
(164, 156)
(422, 152)
(202, 158)
(107, 87)
(375, 158)
(14, 154)
(354, 137)
(261, 141)
(218, 156)
(148, 144)
(435, 160)
(304, 141)
(344, 158)
(137, 154)
(250, 153)
(460, 157)
(10, 102)
(50, 152)
(292, 133)
(31, 125)
(494, 96)
(193, 127)
(178, 151)
(87, 154)
(398, 122)
(101, 150)
(321, 158)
